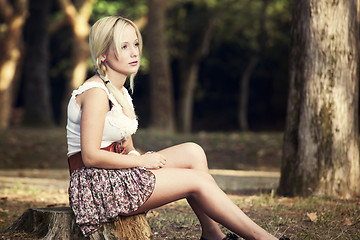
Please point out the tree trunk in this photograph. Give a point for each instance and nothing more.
(38, 108)
(250, 67)
(189, 68)
(161, 90)
(10, 40)
(189, 71)
(59, 223)
(80, 54)
(79, 22)
(244, 92)
(321, 151)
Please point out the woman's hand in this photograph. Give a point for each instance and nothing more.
(153, 160)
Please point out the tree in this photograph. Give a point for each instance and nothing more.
(161, 95)
(254, 27)
(13, 15)
(189, 70)
(250, 67)
(38, 110)
(321, 151)
(200, 29)
(78, 17)
(194, 25)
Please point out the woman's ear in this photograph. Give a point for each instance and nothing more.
(103, 58)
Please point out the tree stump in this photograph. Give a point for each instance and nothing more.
(59, 223)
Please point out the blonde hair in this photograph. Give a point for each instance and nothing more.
(103, 33)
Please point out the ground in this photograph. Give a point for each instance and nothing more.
(298, 218)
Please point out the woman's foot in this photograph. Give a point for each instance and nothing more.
(229, 236)
(284, 238)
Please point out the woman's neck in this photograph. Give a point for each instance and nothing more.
(117, 79)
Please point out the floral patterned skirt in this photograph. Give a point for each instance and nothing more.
(100, 195)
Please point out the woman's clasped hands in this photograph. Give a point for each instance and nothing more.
(153, 160)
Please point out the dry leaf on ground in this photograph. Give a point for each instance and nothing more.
(312, 216)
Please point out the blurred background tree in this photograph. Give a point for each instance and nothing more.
(37, 92)
(192, 30)
(13, 16)
(161, 85)
(211, 47)
(212, 44)
(78, 15)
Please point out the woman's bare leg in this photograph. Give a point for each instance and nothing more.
(192, 156)
(173, 184)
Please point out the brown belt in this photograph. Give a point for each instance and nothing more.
(75, 161)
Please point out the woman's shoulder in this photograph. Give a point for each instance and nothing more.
(91, 90)
(91, 83)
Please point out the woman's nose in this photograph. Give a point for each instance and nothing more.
(134, 52)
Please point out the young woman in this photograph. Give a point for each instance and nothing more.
(108, 176)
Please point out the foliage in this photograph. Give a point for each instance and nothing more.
(237, 21)
(129, 9)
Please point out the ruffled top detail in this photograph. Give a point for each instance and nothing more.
(117, 125)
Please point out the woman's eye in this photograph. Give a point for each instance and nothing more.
(137, 44)
(123, 47)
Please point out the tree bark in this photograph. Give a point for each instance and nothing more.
(10, 41)
(59, 223)
(161, 87)
(321, 151)
(38, 109)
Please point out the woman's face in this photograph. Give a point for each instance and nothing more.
(128, 60)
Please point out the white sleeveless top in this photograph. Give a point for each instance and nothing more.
(117, 125)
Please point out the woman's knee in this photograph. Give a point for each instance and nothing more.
(196, 151)
(203, 182)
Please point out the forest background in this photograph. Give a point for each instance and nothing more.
(226, 62)
(208, 66)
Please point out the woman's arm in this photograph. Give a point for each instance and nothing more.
(95, 105)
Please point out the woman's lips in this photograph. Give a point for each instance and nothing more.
(134, 63)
